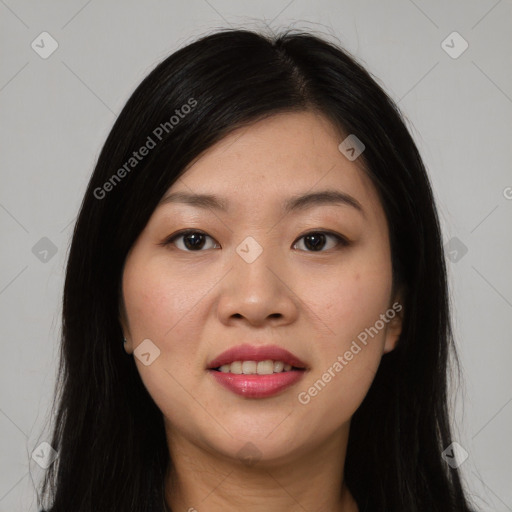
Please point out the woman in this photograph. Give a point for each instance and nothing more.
(256, 313)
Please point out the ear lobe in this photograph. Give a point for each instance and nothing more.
(127, 344)
(124, 327)
(394, 330)
(394, 327)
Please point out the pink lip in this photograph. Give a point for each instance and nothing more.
(257, 386)
(252, 353)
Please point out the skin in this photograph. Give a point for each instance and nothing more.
(194, 304)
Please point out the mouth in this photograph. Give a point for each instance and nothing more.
(256, 372)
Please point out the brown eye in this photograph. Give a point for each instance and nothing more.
(190, 240)
(196, 241)
(315, 241)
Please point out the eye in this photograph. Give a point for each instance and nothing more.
(194, 241)
(315, 240)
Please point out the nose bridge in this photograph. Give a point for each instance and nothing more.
(253, 260)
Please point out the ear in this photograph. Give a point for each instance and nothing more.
(395, 313)
(123, 321)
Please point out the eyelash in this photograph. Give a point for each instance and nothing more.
(341, 241)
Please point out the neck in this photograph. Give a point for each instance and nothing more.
(312, 480)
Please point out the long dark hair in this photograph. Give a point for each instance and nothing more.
(109, 433)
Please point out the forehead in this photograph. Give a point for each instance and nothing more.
(274, 160)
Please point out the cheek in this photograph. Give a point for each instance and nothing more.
(351, 300)
(160, 307)
(347, 360)
(159, 304)
(350, 306)
(165, 307)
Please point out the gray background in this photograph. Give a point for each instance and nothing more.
(56, 112)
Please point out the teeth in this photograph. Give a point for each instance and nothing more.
(236, 367)
(255, 368)
(278, 366)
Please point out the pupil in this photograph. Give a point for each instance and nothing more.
(320, 239)
(197, 243)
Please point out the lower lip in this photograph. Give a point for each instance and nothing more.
(257, 386)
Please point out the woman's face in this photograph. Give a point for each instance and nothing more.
(249, 277)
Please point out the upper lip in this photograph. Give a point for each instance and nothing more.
(256, 353)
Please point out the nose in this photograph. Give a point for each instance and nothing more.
(258, 292)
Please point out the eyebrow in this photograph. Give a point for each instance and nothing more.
(299, 202)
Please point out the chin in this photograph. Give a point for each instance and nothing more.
(258, 452)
